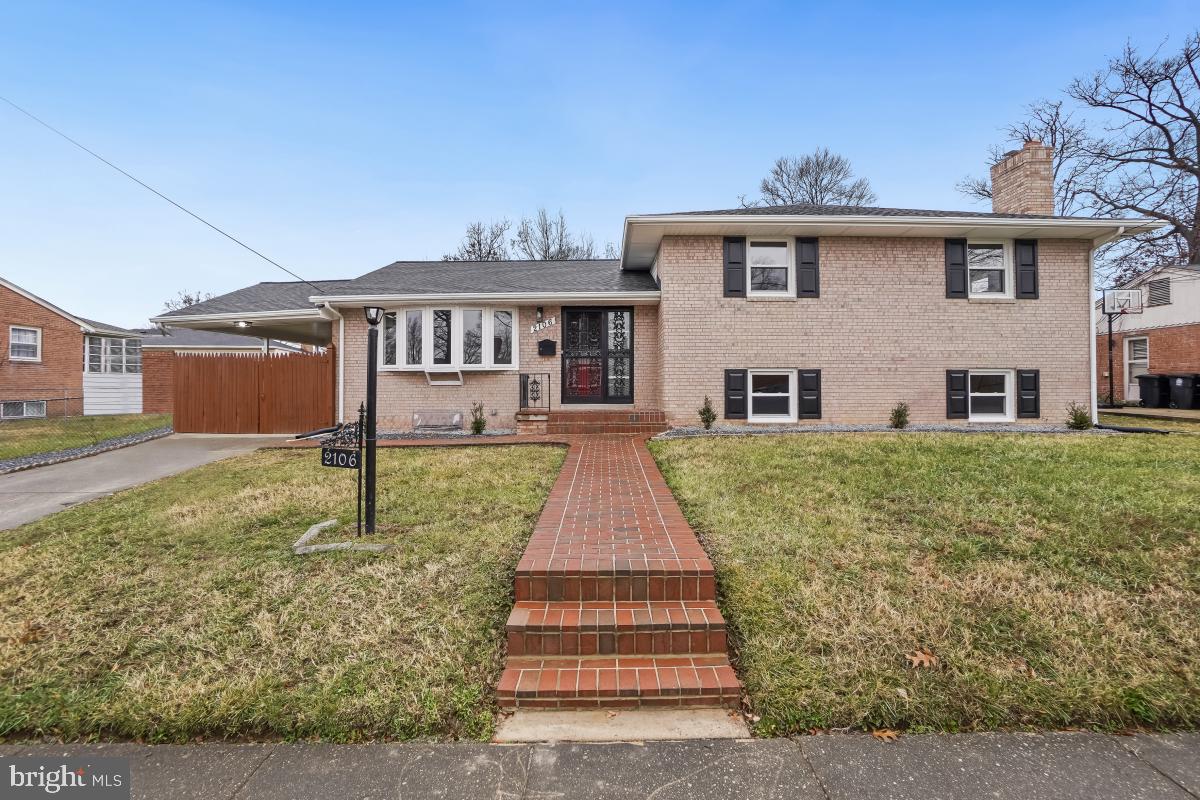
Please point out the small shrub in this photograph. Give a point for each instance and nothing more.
(478, 420)
(899, 416)
(1079, 417)
(707, 415)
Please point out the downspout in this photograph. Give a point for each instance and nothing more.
(330, 313)
(1096, 245)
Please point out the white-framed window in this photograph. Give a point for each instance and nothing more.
(24, 343)
(1137, 362)
(772, 395)
(111, 355)
(989, 269)
(23, 409)
(449, 338)
(990, 395)
(772, 270)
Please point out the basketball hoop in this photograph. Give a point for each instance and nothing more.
(1122, 301)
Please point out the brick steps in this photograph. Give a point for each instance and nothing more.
(646, 423)
(589, 629)
(626, 682)
(615, 596)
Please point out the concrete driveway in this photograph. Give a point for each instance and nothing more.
(34, 493)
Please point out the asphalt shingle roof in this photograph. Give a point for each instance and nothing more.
(266, 296)
(814, 210)
(186, 337)
(104, 327)
(435, 277)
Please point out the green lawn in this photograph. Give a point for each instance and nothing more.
(1173, 425)
(26, 437)
(177, 610)
(1055, 578)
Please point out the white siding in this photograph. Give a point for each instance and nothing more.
(106, 393)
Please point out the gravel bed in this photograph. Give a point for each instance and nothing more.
(58, 456)
(446, 434)
(765, 430)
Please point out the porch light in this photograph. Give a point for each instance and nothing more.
(374, 314)
(241, 323)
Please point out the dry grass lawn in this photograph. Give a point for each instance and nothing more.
(1056, 579)
(1172, 425)
(176, 610)
(24, 437)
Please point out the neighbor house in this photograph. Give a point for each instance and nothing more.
(780, 315)
(1164, 338)
(53, 363)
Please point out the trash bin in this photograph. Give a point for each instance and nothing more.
(1155, 390)
(1185, 391)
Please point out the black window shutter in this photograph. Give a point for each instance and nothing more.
(956, 394)
(956, 268)
(735, 394)
(810, 393)
(808, 277)
(1027, 268)
(1028, 387)
(735, 266)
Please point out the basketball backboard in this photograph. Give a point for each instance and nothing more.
(1122, 301)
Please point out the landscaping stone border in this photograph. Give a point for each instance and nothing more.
(302, 546)
(59, 456)
(687, 432)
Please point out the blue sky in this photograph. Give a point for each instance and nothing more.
(336, 138)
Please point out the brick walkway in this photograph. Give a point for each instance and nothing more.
(615, 596)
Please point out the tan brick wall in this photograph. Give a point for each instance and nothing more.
(60, 372)
(402, 393)
(882, 330)
(1173, 349)
(158, 381)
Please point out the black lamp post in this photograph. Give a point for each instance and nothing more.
(374, 316)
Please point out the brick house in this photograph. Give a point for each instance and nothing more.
(53, 363)
(785, 314)
(1165, 337)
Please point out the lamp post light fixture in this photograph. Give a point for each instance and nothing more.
(374, 316)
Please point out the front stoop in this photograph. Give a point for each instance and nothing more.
(615, 597)
(567, 422)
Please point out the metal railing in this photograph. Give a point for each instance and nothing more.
(535, 390)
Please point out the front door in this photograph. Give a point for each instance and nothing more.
(597, 355)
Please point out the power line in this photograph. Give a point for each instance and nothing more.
(147, 186)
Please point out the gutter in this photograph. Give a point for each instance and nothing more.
(495, 297)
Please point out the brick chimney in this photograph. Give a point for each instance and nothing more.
(1023, 181)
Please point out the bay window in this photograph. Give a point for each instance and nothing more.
(448, 339)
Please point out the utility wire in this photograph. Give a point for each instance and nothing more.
(145, 185)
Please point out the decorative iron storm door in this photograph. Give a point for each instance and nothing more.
(597, 355)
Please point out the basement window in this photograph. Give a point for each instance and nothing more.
(991, 395)
(23, 409)
(772, 396)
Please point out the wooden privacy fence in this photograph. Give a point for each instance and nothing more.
(254, 393)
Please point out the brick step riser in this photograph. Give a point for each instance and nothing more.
(577, 428)
(636, 417)
(632, 643)
(605, 588)
(700, 701)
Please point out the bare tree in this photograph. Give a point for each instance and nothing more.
(1048, 123)
(186, 298)
(547, 238)
(1147, 160)
(483, 242)
(820, 177)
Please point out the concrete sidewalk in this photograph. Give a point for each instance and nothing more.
(1019, 766)
(35, 493)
